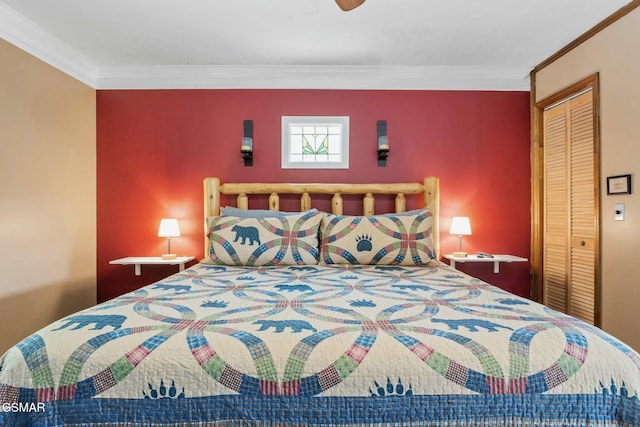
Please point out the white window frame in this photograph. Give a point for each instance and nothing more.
(289, 121)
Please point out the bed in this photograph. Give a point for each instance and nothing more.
(320, 319)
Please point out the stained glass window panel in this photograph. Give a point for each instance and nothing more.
(315, 142)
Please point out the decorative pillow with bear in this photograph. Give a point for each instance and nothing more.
(380, 239)
(286, 240)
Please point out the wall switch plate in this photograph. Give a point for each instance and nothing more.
(619, 212)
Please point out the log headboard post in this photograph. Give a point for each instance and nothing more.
(432, 202)
(430, 189)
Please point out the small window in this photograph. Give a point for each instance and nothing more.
(315, 142)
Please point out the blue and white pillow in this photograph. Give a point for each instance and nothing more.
(403, 239)
(281, 240)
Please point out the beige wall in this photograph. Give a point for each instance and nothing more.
(614, 54)
(47, 195)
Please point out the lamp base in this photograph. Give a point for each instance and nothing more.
(169, 256)
(460, 254)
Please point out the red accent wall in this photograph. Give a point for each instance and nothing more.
(156, 146)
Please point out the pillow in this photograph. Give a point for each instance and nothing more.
(253, 213)
(405, 213)
(287, 240)
(382, 239)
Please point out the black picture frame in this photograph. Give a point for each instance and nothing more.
(619, 184)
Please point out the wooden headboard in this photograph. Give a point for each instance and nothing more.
(430, 189)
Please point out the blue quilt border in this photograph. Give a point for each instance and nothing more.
(450, 410)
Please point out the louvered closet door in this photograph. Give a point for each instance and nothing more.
(583, 210)
(556, 209)
(570, 216)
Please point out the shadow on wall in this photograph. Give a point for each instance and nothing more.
(25, 313)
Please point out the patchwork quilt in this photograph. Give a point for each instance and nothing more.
(321, 345)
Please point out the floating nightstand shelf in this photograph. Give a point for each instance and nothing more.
(495, 259)
(138, 261)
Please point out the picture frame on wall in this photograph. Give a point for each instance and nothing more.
(619, 184)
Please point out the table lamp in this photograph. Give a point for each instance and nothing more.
(169, 228)
(461, 226)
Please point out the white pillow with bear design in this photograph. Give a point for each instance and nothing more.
(284, 240)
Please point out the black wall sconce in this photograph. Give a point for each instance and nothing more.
(383, 143)
(247, 143)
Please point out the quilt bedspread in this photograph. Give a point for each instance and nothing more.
(319, 345)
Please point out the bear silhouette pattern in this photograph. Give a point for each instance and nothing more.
(361, 303)
(303, 268)
(471, 324)
(292, 288)
(389, 268)
(99, 321)
(246, 233)
(175, 288)
(413, 287)
(280, 325)
(511, 301)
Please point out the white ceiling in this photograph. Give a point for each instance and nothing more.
(384, 44)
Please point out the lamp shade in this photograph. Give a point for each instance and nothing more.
(169, 228)
(460, 225)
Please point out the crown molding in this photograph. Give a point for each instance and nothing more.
(314, 77)
(31, 38)
(25, 34)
